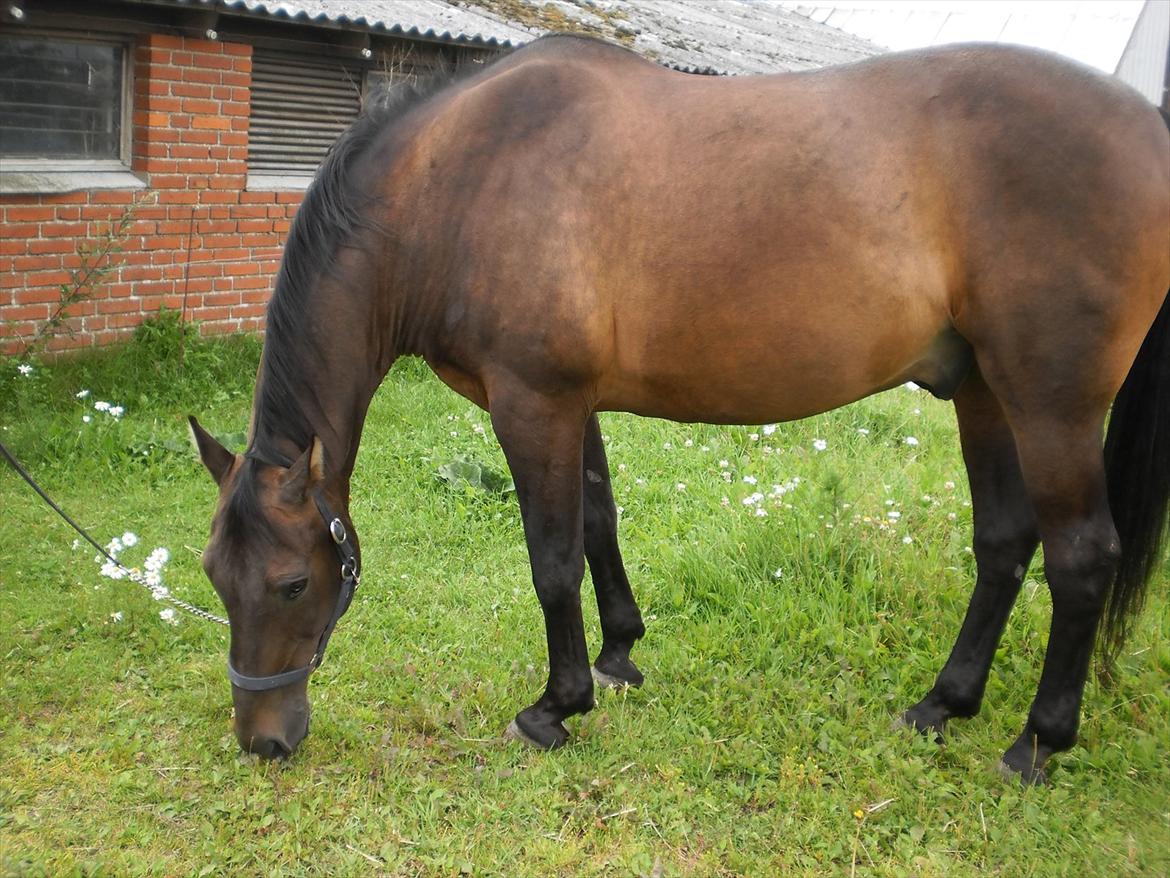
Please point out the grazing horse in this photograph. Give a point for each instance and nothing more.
(574, 229)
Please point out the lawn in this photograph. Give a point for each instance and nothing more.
(779, 647)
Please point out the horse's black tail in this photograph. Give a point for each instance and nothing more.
(1137, 471)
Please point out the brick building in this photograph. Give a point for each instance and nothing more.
(195, 124)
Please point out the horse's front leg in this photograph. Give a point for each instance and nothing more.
(542, 440)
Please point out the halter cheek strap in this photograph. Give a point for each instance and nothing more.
(350, 577)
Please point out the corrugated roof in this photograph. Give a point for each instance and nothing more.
(733, 36)
(418, 19)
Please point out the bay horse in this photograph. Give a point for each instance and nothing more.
(574, 229)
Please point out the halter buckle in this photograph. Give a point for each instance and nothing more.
(337, 531)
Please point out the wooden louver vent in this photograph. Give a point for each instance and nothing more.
(299, 107)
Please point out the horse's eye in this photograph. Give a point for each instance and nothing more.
(294, 589)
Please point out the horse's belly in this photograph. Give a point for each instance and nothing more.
(762, 374)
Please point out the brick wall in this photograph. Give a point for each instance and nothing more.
(196, 232)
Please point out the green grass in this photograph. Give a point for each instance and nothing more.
(760, 745)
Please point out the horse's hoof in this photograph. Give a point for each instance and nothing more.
(908, 721)
(557, 737)
(616, 674)
(1029, 776)
(607, 681)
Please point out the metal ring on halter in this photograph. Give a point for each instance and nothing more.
(337, 531)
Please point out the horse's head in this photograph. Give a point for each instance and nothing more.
(285, 567)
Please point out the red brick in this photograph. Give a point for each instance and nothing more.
(164, 41)
(29, 214)
(200, 137)
(59, 230)
(40, 262)
(191, 90)
(119, 305)
(164, 105)
(46, 278)
(177, 196)
(208, 76)
(27, 312)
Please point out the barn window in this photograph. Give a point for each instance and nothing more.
(299, 107)
(61, 99)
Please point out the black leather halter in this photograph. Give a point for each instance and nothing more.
(350, 577)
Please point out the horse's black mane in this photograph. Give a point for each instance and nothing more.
(336, 207)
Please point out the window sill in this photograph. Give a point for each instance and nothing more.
(278, 182)
(53, 182)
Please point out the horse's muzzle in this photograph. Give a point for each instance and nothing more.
(272, 736)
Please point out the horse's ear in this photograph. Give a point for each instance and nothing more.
(306, 473)
(215, 457)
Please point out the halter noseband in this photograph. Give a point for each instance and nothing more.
(350, 576)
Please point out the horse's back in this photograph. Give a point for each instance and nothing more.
(766, 247)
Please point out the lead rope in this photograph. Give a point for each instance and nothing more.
(132, 575)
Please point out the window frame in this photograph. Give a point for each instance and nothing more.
(30, 174)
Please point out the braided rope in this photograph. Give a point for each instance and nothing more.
(132, 575)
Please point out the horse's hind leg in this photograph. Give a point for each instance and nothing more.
(542, 439)
(1005, 540)
(621, 622)
(1063, 466)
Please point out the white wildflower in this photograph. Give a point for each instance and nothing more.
(689, 443)
(76, 545)
(915, 411)
(726, 476)
(681, 486)
(907, 539)
(82, 394)
(621, 467)
(755, 437)
(116, 617)
(768, 429)
(723, 464)
(129, 539)
(639, 481)
(863, 431)
(910, 440)
(704, 447)
(85, 419)
(101, 406)
(725, 501)
(750, 480)
(116, 411)
(820, 444)
(778, 573)
(25, 369)
(761, 511)
(893, 515)
(110, 570)
(889, 502)
(950, 486)
(114, 547)
(169, 616)
(951, 516)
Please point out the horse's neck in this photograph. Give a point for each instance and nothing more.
(331, 376)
